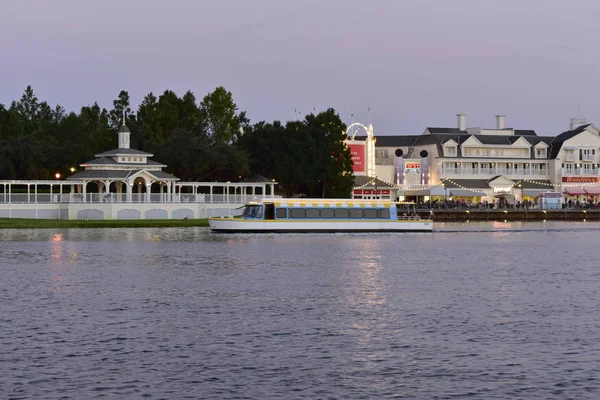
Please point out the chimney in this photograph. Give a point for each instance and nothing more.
(577, 122)
(462, 121)
(500, 121)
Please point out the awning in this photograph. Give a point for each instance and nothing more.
(574, 191)
(465, 193)
(592, 190)
(437, 190)
(534, 192)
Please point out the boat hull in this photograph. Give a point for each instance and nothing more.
(238, 225)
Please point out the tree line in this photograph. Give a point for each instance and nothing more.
(207, 140)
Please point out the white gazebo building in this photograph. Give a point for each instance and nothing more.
(125, 183)
(125, 175)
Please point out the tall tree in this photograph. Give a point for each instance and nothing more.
(334, 174)
(190, 117)
(28, 106)
(148, 117)
(167, 111)
(119, 105)
(219, 115)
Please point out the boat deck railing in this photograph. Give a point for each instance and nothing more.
(409, 218)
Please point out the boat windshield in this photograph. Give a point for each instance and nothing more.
(252, 211)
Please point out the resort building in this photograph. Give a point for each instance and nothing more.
(479, 164)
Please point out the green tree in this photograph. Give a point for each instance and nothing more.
(167, 112)
(190, 117)
(147, 116)
(119, 105)
(218, 112)
(334, 174)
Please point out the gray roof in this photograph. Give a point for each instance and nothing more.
(445, 130)
(117, 152)
(466, 183)
(543, 184)
(117, 174)
(365, 181)
(163, 175)
(97, 174)
(493, 139)
(257, 179)
(525, 132)
(111, 161)
(556, 144)
(124, 128)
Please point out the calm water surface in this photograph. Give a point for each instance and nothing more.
(481, 310)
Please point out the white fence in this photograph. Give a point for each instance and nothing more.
(47, 198)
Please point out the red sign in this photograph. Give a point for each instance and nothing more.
(412, 166)
(358, 157)
(581, 179)
(367, 191)
(358, 191)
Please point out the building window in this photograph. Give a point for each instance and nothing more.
(588, 154)
(381, 153)
(540, 152)
(569, 168)
(450, 151)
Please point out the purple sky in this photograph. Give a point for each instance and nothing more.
(415, 63)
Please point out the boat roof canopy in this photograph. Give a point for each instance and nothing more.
(316, 202)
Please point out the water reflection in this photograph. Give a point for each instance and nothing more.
(451, 314)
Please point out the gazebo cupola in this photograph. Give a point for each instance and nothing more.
(124, 135)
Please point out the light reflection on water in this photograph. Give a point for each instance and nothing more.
(482, 310)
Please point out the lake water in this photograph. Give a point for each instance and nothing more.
(479, 310)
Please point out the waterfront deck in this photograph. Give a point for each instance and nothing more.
(462, 215)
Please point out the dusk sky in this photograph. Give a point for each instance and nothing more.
(415, 63)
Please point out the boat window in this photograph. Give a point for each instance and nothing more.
(312, 213)
(281, 212)
(248, 211)
(327, 213)
(383, 213)
(355, 212)
(259, 212)
(297, 213)
(341, 213)
(370, 213)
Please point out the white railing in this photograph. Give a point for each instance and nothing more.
(579, 171)
(494, 171)
(47, 198)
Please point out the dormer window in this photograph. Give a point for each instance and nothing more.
(570, 154)
(540, 152)
(450, 151)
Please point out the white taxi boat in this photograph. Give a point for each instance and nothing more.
(321, 215)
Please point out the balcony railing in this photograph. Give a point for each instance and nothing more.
(580, 172)
(493, 171)
(46, 198)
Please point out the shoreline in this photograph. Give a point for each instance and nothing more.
(25, 223)
(440, 215)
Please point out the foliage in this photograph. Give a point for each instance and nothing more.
(306, 157)
(209, 141)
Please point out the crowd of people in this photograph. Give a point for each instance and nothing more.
(501, 203)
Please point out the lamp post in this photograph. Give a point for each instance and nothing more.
(375, 190)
